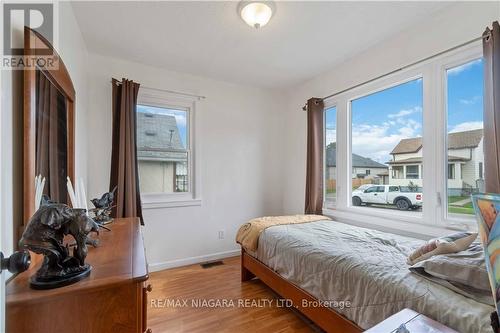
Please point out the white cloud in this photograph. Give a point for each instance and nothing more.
(377, 141)
(467, 126)
(405, 112)
(461, 68)
(331, 136)
(472, 100)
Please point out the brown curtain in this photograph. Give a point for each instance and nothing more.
(314, 172)
(491, 53)
(51, 138)
(124, 172)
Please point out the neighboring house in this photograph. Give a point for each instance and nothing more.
(465, 161)
(362, 167)
(160, 153)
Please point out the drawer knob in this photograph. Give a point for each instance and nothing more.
(149, 330)
(149, 288)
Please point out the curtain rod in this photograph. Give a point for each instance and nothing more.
(167, 91)
(484, 36)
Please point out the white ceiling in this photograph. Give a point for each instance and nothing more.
(302, 40)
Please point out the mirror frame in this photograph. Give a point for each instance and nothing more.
(35, 45)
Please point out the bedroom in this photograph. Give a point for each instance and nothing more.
(220, 137)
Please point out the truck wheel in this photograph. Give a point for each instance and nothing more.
(356, 201)
(403, 204)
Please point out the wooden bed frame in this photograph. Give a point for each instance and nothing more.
(324, 317)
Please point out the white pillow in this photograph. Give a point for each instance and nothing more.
(448, 244)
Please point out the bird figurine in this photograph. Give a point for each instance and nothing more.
(103, 207)
(46, 200)
(106, 199)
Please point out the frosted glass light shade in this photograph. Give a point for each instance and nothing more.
(256, 14)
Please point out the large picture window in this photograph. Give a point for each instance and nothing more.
(386, 131)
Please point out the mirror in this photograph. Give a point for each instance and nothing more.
(48, 117)
(51, 146)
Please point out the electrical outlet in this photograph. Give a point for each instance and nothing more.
(221, 234)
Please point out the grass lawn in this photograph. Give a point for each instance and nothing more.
(460, 210)
(465, 209)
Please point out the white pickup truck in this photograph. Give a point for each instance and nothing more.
(403, 197)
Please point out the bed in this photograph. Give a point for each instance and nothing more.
(360, 274)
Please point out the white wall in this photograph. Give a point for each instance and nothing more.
(74, 54)
(240, 142)
(456, 25)
(11, 157)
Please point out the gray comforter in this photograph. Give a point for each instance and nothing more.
(365, 271)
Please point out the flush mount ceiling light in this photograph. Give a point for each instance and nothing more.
(256, 13)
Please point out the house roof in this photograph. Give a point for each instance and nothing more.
(357, 160)
(411, 145)
(468, 139)
(419, 160)
(458, 140)
(158, 138)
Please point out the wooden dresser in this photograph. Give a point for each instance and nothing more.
(112, 299)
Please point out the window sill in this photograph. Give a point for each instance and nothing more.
(170, 203)
(402, 225)
(387, 214)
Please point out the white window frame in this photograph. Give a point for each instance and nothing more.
(434, 219)
(164, 99)
(445, 63)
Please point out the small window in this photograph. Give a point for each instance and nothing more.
(367, 172)
(451, 171)
(330, 156)
(393, 188)
(380, 189)
(162, 149)
(398, 172)
(372, 189)
(412, 172)
(480, 170)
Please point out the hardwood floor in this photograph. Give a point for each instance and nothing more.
(176, 302)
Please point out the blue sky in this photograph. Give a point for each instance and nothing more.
(382, 119)
(465, 96)
(180, 118)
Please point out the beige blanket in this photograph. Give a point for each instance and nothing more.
(248, 234)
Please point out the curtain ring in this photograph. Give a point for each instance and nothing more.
(487, 37)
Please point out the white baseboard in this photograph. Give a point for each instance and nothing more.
(154, 267)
